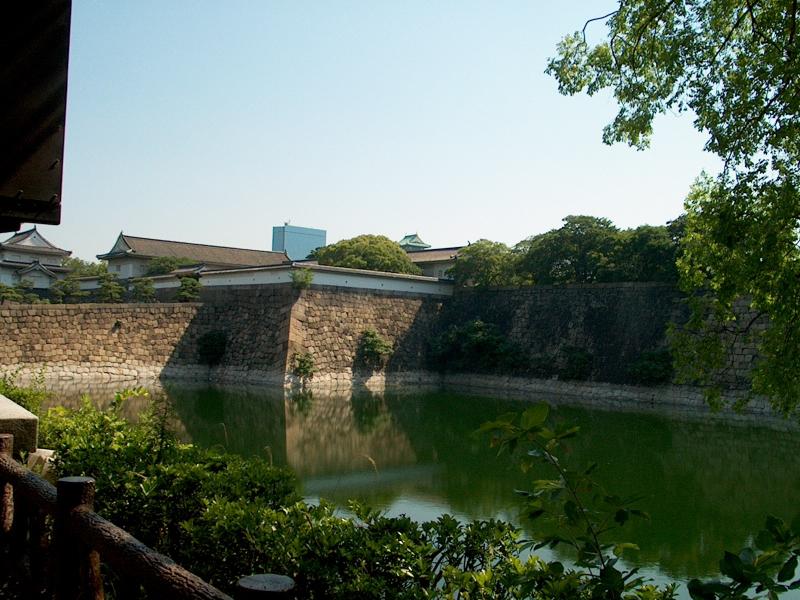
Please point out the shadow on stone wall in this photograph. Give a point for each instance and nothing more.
(613, 323)
(254, 323)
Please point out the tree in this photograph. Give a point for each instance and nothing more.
(646, 253)
(142, 290)
(110, 289)
(734, 65)
(485, 264)
(581, 251)
(370, 252)
(67, 290)
(84, 268)
(9, 294)
(189, 290)
(162, 265)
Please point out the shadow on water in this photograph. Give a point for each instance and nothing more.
(708, 485)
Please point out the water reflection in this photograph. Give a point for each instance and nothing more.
(708, 484)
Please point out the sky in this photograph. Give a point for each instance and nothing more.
(212, 122)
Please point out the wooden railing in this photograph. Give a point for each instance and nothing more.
(66, 564)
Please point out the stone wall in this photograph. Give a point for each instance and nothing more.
(328, 322)
(615, 323)
(138, 341)
(266, 325)
(100, 341)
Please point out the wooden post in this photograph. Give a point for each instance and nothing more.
(77, 567)
(265, 587)
(7, 491)
(38, 551)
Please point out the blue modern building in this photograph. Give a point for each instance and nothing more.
(297, 242)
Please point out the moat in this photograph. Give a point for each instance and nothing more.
(707, 483)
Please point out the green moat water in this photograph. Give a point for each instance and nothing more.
(707, 484)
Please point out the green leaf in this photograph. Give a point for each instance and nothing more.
(572, 512)
(535, 416)
(621, 547)
(788, 569)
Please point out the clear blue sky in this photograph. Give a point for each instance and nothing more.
(212, 121)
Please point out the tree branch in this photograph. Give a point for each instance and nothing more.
(603, 18)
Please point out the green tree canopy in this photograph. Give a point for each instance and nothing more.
(646, 253)
(733, 64)
(371, 252)
(84, 268)
(162, 265)
(142, 290)
(486, 264)
(67, 289)
(110, 289)
(581, 251)
(189, 290)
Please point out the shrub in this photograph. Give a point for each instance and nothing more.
(653, 367)
(142, 290)
(163, 265)
(476, 347)
(189, 290)
(110, 289)
(373, 350)
(67, 290)
(211, 347)
(29, 397)
(301, 278)
(577, 364)
(303, 365)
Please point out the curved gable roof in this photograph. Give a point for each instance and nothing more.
(129, 245)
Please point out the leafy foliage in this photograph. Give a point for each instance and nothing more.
(163, 265)
(211, 347)
(581, 512)
(577, 364)
(189, 290)
(734, 65)
(142, 290)
(20, 292)
(85, 268)
(371, 252)
(770, 566)
(373, 350)
(301, 278)
(652, 367)
(30, 396)
(303, 365)
(110, 289)
(485, 264)
(67, 290)
(477, 347)
(581, 251)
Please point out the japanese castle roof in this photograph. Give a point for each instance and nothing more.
(413, 243)
(31, 240)
(129, 245)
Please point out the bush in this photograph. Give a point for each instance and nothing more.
(303, 365)
(301, 278)
(189, 290)
(653, 367)
(373, 350)
(577, 364)
(211, 347)
(142, 290)
(475, 347)
(110, 289)
(29, 397)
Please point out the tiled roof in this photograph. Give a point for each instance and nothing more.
(413, 241)
(31, 240)
(202, 253)
(434, 254)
